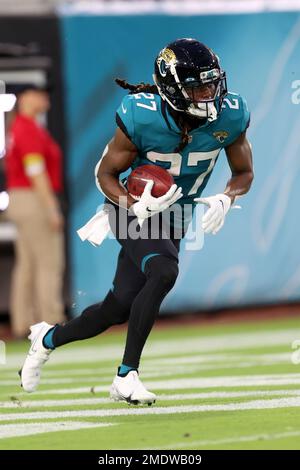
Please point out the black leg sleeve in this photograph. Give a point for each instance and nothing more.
(161, 273)
(115, 309)
(94, 320)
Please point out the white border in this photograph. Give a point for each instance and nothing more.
(176, 7)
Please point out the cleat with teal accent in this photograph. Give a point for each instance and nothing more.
(131, 390)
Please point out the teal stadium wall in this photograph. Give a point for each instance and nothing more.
(255, 258)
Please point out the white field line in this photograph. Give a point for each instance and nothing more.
(167, 367)
(98, 379)
(56, 381)
(66, 377)
(173, 371)
(204, 382)
(203, 362)
(225, 381)
(275, 358)
(229, 440)
(105, 379)
(199, 344)
(28, 429)
(184, 396)
(178, 363)
(250, 405)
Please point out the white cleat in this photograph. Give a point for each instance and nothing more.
(131, 390)
(37, 356)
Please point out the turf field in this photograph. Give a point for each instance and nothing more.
(219, 387)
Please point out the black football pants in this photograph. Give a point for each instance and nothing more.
(146, 271)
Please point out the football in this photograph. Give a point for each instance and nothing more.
(138, 178)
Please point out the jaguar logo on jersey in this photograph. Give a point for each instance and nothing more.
(221, 135)
(166, 59)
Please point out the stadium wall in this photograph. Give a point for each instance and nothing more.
(255, 259)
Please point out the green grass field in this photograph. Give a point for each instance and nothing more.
(219, 387)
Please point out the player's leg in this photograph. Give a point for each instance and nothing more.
(94, 319)
(158, 259)
(114, 309)
(161, 273)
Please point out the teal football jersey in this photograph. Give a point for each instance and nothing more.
(145, 119)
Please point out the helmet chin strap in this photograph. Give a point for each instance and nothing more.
(201, 110)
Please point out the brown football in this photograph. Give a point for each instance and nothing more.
(138, 178)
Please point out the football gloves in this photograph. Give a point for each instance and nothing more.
(149, 205)
(214, 217)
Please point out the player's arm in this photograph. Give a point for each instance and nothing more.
(119, 156)
(239, 156)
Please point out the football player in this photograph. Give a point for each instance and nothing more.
(181, 123)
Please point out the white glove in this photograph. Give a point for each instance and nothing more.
(149, 205)
(214, 217)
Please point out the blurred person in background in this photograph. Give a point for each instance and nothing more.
(33, 166)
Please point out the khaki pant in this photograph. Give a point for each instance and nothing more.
(36, 292)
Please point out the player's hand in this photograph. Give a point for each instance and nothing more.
(214, 217)
(149, 205)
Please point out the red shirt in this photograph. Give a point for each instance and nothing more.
(27, 137)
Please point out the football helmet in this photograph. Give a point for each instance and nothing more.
(189, 77)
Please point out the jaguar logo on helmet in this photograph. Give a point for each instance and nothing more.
(166, 59)
(168, 55)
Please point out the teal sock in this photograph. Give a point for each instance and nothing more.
(123, 369)
(48, 339)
